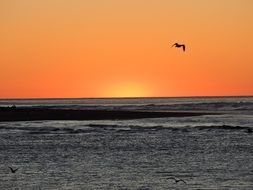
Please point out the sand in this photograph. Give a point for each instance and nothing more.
(33, 114)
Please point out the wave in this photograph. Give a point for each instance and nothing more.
(213, 106)
(97, 128)
(184, 129)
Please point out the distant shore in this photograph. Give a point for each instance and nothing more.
(34, 114)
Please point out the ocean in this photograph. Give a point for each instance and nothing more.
(207, 152)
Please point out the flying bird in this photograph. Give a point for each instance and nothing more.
(13, 170)
(179, 46)
(177, 179)
(249, 130)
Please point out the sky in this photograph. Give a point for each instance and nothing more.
(112, 48)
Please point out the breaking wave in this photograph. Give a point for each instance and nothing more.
(100, 128)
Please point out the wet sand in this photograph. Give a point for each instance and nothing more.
(33, 114)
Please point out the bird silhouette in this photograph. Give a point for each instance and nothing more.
(179, 46)
(177, 179)
(249, 130)
(13, 170)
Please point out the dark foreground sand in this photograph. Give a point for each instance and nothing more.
(32, 114)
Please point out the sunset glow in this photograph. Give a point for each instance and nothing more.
(126, 90)
(75, 48)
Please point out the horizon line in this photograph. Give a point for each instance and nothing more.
(141, 97)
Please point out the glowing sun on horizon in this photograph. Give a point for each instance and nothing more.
(122, 90)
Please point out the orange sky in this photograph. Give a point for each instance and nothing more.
(117, 48)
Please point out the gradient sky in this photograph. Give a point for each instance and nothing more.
(119, 48)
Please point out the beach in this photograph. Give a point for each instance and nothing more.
(33, 114)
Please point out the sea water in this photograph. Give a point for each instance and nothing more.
(207, 152)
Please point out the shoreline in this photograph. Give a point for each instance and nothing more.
(35, 114)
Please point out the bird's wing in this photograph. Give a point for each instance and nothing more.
(171, 178)
(183, 47)
(173, 44)
(15, 170)
(10, 168)
(182, 181)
